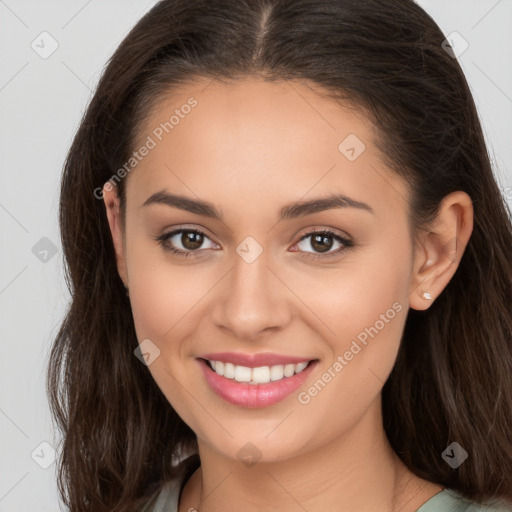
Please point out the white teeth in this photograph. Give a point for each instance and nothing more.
(243, 374)
(219, 367)
(276, 372)
(298, 368)
(260, 375)
(289, 370)
(229, 370)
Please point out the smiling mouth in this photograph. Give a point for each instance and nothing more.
(255, 386)
(257, 375)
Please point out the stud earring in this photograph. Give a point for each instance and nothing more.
(427, 296)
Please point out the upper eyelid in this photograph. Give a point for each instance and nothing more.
(176, 231)
(329, 231)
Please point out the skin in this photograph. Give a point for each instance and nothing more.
(250, 148)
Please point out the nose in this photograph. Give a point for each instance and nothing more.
(252, 301)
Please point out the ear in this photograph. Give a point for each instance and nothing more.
(112, 205)
(439, 250)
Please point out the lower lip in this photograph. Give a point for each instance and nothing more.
(254, 395)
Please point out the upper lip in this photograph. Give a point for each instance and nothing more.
(254, 360)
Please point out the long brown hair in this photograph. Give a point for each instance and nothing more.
(453, 376)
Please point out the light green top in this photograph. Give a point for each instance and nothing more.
(445, 501)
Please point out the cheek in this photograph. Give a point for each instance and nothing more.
(163, 298)
(361, 309)
(153, 301)
(158, 298)
(367, 313)
(354, 293)
(167, 298)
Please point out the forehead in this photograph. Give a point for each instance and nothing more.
(250, 138)
(253, 107)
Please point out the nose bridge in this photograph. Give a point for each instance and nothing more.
(252, 300)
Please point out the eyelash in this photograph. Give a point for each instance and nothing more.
(164, 239)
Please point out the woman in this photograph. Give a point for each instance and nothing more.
(289, 266)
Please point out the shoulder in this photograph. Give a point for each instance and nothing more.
(449, 500)
(165, 499)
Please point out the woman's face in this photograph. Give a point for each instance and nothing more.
(255, 280)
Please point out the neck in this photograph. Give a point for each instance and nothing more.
(356, 471)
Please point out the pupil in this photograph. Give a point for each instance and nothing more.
(321, 243)
(191, 240)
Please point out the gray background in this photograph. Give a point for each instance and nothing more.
(42, 98)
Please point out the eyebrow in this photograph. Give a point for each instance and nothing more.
(289, 211)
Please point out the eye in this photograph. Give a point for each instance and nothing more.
(322, 241)
(187, 240)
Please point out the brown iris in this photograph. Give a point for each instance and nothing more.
(321, 242)
(192, 240)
